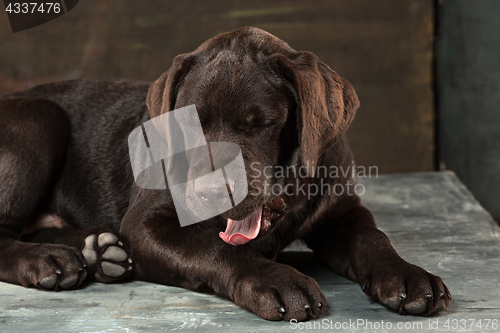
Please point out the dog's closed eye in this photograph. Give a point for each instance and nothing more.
(253, 127)
(254, 121)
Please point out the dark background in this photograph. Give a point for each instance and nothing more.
(468, 95)
(386, 48)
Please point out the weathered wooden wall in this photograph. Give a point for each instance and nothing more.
(383, 47)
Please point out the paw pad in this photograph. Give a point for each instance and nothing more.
(106, 255)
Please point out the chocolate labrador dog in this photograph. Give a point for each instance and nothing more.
(70, 210)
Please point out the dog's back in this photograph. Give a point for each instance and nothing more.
(95, 179)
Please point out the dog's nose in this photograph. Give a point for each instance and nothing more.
(212, 193)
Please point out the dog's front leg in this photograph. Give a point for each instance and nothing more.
(352, 246)
(195, 258)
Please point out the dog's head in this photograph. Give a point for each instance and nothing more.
(280, 106)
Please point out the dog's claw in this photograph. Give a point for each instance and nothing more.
(282, 310)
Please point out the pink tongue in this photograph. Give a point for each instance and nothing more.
(241, 232)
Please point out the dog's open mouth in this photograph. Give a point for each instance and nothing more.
(243, 231)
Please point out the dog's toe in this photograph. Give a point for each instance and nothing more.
(48, 282)
(69, 281)
(416, 307)
(393, 302)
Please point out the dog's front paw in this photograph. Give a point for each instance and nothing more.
(50, 267)
(280, 292)
(407, 288)
(106, 257)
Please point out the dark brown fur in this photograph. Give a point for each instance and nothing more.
(63, 150)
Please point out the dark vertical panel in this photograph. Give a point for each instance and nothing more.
(383, 47)
(468, 73)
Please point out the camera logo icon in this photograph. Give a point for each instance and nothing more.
(204, 179)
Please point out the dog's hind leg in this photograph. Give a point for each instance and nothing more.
(33, 139)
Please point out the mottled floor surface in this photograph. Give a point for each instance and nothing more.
(432, 220)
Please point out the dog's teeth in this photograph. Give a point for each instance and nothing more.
(282, 310)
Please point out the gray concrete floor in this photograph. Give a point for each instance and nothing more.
(431, 218)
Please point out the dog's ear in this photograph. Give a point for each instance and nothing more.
(326, 104)
(162, 96)
(163, 92)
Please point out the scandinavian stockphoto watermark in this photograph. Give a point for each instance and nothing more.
(170, 151)
(329, 180)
